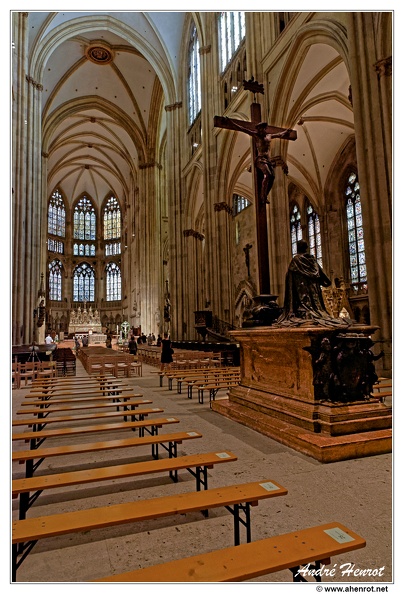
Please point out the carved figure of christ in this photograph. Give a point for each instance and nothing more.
(263, 177)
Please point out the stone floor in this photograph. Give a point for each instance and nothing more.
(357, 493)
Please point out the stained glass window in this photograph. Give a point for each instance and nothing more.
(295, 228)
(57, 215)
(113, 249)
(55, 246)
(55, 280)
(313, 224)
(194, 77)
(112, 219)
(84, 220)
(356, 243)
(239, 203)
(83, 249)
(113, 274)
(83, 283)
(231, 33)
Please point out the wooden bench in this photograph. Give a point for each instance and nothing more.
(43, 410)
(51, 402)
(234, 498)
(201, 374)
(36, 438)
(214, 387)
(79, 388)
(381, 395)
(172, 440)
(74, 380)
(38, 423)
(47, 394)
(212, 375)
(37, 484)
(247, 561)
(225, 381)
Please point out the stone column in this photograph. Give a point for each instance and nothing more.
(372, 110)
(19, 106)
(225, 297)
(148, 248)
(175, 191)
(194, 275)
(27, 187)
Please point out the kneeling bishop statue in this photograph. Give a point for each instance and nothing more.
(303, 303)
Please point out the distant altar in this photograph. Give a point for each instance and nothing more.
(83, 320)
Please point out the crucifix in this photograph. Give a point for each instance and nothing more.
(264, 174)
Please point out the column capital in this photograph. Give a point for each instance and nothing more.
(206, 49)
(218, 206)
(193, 233)
(278, 161)
(150, 164)
(383, 67)
(173, 106)
(35, 84)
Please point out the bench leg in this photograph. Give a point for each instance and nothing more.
(237, 520)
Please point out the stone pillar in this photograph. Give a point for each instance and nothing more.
(226, 296)
(372, 109)
(27, 189)
(148, 248)
(174, 189)
(19, 106)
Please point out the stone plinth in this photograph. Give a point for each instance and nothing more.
(276, 397)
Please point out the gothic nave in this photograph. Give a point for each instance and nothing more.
(137, 197)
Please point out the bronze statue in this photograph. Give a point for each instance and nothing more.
(304, 304)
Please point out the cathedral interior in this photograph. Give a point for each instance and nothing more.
(134, 175)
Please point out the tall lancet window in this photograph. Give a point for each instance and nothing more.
(56, 215)
(295, 228)
(231, 34)
(112, 227)
(113, 288)
(84, 220)
(313, 224)
(356, 241)
(55, 280)
(83, 283)
(194, 77)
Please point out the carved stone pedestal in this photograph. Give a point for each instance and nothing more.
(276, 396)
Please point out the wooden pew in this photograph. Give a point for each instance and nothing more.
(69, 380)
(42, 410)
(80, 399)
(39, 423)
(235, 498)
(46, 395)
(80, 388)
(28, 457)
(247, 561)
(214, 387)
(37, 484)
(212, 375)
(36, 439)
(198, 374)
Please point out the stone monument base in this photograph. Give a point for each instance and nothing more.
(276, 397)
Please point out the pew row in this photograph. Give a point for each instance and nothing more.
(295, 550)
(196, 464)
(235, 498)
(39, 423)
(168, 441)
(36, 439)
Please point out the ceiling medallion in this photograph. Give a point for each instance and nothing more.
(99, 54)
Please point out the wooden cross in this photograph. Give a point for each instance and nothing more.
(263, 172)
